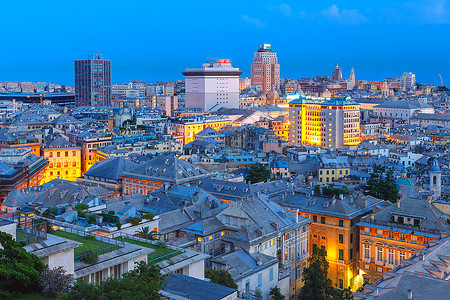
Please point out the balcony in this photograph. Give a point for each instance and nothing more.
(393, 226)
(379, 263)
(366, 260)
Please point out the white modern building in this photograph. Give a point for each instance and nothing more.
(214, 85)
(403, 109)
(408, 81)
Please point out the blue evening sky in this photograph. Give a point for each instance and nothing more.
(155, 40)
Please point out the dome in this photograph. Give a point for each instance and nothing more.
(326, 94)
(392, 98)
(435, 166)
(272, 94)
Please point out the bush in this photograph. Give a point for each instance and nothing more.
(91, 219)
(81, 206)
(162, 244)
(54, 281)
(90, 237)
(148, 216)
(118, 225)
(89, 257)
(134, 221)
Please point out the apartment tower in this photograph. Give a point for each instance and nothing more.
(265, 70)
(93, 81)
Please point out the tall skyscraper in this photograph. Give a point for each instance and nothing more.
(214, 85)
(93, 81)
(265, 70)
(337, 73)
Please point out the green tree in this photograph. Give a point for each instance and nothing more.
(148, 216)
(144, 282)
(220, 277)
(55, 281)
(316, 286)
(258, 173)
(144, 232)
(19, 270)
(382, 185)
(275, 293)
(134, 221)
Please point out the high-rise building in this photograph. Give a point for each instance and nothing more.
(408, 81)
(265, 70)
(331, 123)
(93, 81)
(214, 85)
(337, 73)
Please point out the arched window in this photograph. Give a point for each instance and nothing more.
(434, 180)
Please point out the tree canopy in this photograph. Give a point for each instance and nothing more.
(258, 173)
(382, 185)
(19, 270)
(317, 285)
(144, 282)
(220, 277)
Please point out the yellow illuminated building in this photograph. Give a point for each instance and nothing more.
(396, 233)
(331, 123)
(335, 230)
(190, 127)
(333, 168)
(280, 126)
(64, 160)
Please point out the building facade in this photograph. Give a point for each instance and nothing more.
(64, 159)
(265, 70)
(330, 123)
(214, 85)
(395, 234)
(93, 81)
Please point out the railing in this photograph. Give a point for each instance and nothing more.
(99, 252)
(149, 241)
(401, 226)
(164, 257)
(97, 237)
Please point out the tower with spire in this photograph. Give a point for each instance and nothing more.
(352, 75)
(435, 179)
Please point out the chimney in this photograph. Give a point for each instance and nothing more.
(296, 215)
(259, 262)
(409, 295)
(398, 204)
(375, 293)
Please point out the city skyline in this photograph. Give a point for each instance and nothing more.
(379, 41)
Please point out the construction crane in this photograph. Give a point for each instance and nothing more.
(442, 83)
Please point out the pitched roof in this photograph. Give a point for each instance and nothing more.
(196, 289)
(243, 263)
(58, 142)
(167, 168)
(111, 168)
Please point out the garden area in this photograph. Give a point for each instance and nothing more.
(90, 244)
(160, 251)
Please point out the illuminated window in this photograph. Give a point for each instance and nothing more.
(379, 253)
(366, 251)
